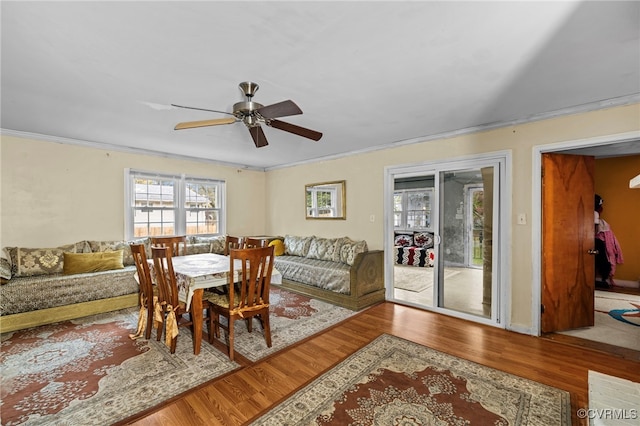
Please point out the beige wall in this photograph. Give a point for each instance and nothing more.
(55, 194)
(364, 174)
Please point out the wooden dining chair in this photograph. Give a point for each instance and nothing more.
(147, 295)
(171, 311)
(250, 300)
(255, 242)
(232, 243)
(178, 244)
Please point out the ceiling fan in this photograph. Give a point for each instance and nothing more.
(253, 114)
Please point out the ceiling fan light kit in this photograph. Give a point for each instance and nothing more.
(253, 114)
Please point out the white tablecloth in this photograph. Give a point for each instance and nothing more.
(204, 270)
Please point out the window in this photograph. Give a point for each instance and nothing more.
(412, 209)
(159, 204)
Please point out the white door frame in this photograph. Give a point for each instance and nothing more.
(502, 305)
(536, 209)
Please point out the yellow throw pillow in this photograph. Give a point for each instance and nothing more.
(278, 247)
(80, 263)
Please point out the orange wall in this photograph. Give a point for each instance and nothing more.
(621, 209)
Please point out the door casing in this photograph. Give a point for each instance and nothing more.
(503, 295)
(536, 213)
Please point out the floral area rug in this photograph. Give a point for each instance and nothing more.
(393, 381)
(293, 318)
(89, 371)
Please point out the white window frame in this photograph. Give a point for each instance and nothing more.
(180, 182)
(502, 160)
(314, 209)
(404, 212)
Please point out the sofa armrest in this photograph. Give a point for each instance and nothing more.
(367, 273)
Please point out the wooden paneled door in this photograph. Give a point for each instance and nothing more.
(568, 265)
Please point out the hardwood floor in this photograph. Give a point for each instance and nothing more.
(244, 394)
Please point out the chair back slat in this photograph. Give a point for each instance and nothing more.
(144, 275)
(165, 276)
(255, 242)
(232, 243)
(254, 278)
(177, 243)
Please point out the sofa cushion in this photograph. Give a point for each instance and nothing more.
(403, 239)
(334, 276)
(198, 248)
(127, 257)
(414, 256)
(216, 243)
(278, 247)
(423, 239)
(350, 249)
(325, 249)
(297, 246)
(80, 263)
(5, 266)
(29, 262)
(27, 294)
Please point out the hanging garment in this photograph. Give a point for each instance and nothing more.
(613, 250)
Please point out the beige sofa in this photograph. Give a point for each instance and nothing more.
(337, 270)
(36, 290)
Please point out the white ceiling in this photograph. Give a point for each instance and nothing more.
(366, 74)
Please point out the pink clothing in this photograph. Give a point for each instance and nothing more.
(614, 252)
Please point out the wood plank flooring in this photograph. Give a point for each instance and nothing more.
(243, 395)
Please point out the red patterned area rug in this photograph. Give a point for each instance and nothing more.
(393, 381)
(88, 371)
(293, 318)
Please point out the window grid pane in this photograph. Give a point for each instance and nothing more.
(201, 202)
(159, 202)
(412, 209)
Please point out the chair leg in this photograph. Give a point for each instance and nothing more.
(216, 325)
(212, 325)
(147, 332)
(231, 335)
(249, 324)
(159, 329)
(267, 328)
(174, 344)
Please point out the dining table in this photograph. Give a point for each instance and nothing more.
(197, 272)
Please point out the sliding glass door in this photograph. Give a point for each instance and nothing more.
(462, 286)
(445, 237)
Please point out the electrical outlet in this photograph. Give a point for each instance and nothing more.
(372, 218)
(522, 219)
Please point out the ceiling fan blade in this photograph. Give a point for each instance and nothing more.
(292, 128)
(204, 123)
(201, 109)
(258, 136)
(281, 109)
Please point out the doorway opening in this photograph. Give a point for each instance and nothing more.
(610, 148)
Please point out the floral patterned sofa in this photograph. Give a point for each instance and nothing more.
(38, 287)
(338, 270)
(414, 248)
